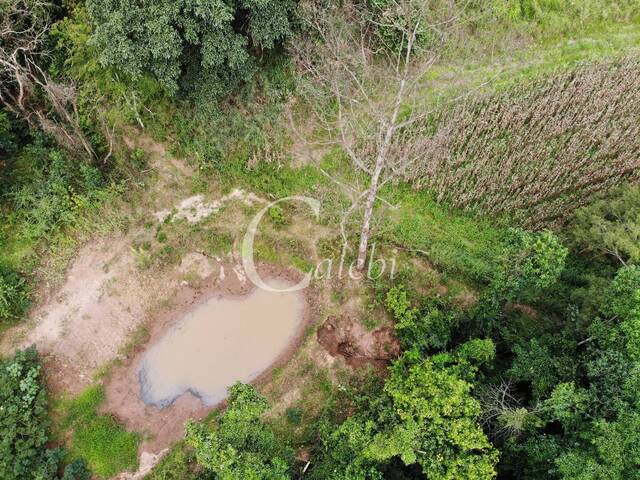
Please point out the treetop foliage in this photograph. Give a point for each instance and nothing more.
(610, 225)
(189, 44)
(242, 446)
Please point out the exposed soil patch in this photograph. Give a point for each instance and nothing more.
(164, 426)
(347, 337)
(82, 326)
(196, 208)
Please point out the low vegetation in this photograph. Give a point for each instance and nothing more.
(98, 439)
(515, 225)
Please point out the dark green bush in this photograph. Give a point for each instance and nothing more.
(23, 420)
(203, 46)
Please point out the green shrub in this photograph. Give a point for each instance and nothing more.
(241, 446)
(426, 328)
(178, 464)
(276, 214)
(610, 225)
(14, 294)
(531, 262)
(294, 415)
(48, 188)
(393, 20)
(77, 470)
(24, 423)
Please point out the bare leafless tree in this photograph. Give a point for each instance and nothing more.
(26, 89)
(503, 415)
(364, 91)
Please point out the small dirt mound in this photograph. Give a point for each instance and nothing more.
(347, 337)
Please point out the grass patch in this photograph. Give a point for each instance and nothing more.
(100, 440)
(502, 70)
(455, 242)
(178, 464)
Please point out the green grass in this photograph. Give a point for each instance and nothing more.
(178, 464)
(455, 242)
(501, 70)
(268, 178)
(99, 439)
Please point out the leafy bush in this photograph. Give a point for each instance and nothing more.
(391, 21)
(43, 193)
(532, 262)
(610, 225)
(427, 328)
(24, 423)
(424, 417)
(178, 464)
(23, 419)
(48, 188)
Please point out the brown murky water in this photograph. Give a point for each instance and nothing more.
(220, 342)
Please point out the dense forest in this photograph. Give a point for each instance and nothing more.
(491, 147)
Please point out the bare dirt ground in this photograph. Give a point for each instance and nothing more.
(347, 337)
(82, 325)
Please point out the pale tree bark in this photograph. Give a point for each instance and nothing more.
(369, 84)
(26, 89)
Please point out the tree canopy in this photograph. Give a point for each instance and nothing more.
(189, 44)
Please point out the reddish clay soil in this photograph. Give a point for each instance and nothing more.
(345, 336)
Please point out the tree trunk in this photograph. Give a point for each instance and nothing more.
(368, 213)
(375, 178)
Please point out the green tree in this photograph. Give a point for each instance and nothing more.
(611, 451)
(425, 416)
(531, 262)
(584, 379)
(426, 328)
(241, 446)
(610, 225)
(544, 362)
(435, 422)
(205, 46)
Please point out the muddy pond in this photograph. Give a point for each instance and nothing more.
(219, 342)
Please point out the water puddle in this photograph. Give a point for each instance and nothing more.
(222, 341)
